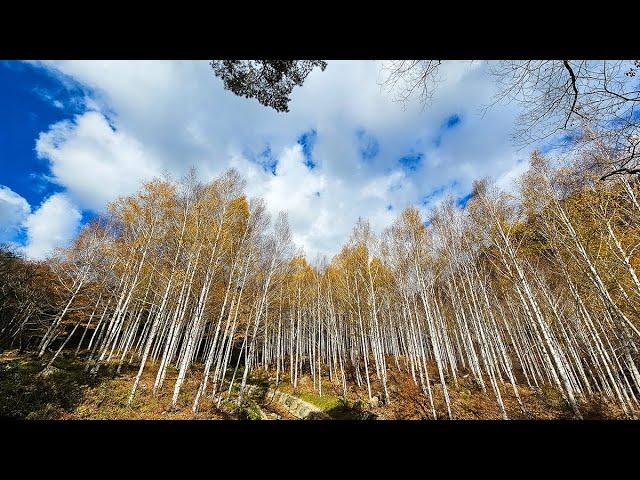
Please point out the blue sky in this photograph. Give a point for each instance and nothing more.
(75, 135)
(26, 111)
(32, 100)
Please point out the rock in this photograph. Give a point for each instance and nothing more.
(296, 406)
(368, 416)
(50, 371)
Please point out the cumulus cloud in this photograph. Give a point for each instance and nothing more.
(152, 117)
(54, 224)
(93, 161)
(14, 209)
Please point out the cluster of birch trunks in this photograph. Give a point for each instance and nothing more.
(531, 289)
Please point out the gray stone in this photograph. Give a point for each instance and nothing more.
(50, 371)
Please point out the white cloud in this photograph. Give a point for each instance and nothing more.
(14, 209)
(169, 116)
(508, 180)
(54, 224)
(94, 162)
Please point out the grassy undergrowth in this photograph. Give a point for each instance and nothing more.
(67, 391)
(28, 392)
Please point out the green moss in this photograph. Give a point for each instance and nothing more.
(254, 412)
(324, 402)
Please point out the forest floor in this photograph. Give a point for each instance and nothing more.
(67, 391)
(467, 399)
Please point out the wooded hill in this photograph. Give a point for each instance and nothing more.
(533, 289)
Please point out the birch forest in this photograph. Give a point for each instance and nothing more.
(190, 283)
